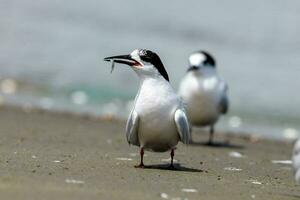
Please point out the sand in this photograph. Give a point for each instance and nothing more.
(46, 155)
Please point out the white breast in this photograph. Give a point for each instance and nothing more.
(156, 104)
(202, 96)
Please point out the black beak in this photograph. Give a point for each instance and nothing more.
(192, 68)
(123, 59)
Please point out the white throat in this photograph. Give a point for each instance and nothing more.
(149, 72)
(155, 83)
(204, 72)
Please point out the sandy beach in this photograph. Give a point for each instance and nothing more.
(61, 156)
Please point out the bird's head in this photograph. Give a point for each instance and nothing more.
(200, 60)
(144, 62)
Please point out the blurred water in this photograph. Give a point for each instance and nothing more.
(54, 50)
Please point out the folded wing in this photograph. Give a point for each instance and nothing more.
(132, 128)
(182, 125)
(224, 102)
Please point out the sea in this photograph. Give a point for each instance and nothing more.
(51, 55)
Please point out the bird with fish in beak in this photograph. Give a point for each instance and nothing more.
(157, 121)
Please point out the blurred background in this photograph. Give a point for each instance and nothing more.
(51, 55)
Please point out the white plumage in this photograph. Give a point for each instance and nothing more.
(157, 121)
(296, 161)
(203, 91)
(155, 107)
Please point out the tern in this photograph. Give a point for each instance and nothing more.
(204, 92)
(157, 121)
(296, 160)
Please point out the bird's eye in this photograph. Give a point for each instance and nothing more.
(142, 52)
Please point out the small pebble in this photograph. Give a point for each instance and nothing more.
(164, 196)
(285, 162)
(124, 159)
(256, 182)
(73, 181)
(189, 190)
(235, 154)
(232, 169)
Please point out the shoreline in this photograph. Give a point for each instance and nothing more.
(96, 116)
(65, 156)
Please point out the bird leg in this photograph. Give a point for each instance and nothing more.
(172, 157)
(211, 135)
(141, 165)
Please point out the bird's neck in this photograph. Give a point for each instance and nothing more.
(150, 86)
(153, 81)
(204, 72)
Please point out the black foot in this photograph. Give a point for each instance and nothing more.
(140, 166)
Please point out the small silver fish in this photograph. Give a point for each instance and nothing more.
(112, 66)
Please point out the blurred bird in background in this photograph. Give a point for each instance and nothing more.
(296, 161)
(204, 92)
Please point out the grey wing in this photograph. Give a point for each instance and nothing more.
(224, 102)
(182, 125)
(132, 128)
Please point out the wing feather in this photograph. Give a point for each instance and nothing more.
(132, 128)
(224, 102)
(182, 125)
